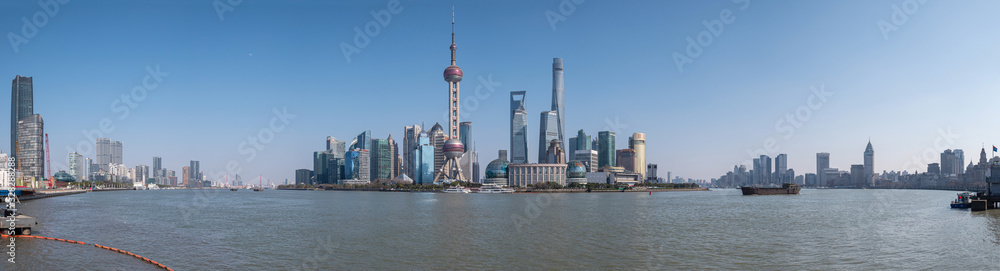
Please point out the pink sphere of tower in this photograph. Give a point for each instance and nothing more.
(453, 148)
(453, 74)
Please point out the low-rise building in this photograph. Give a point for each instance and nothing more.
(521, 175)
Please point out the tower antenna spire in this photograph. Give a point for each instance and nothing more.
(453, 35)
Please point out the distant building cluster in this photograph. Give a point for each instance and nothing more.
(28, 145)
(948, 173)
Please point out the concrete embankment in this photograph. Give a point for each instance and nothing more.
(41, 194)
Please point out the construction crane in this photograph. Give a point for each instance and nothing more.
(48, 163)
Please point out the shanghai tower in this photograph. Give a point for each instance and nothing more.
(559, 99)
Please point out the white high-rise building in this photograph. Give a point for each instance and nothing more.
(76, 167)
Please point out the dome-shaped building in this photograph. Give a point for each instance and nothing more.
(402, 179)
(576, 172)
(496, 172)
(62, 176)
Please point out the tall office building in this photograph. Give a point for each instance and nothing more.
(194, 173)
(88, 168)
(157, 167)
(410, 144)
(638, 143)
(186, 177)
(765, 170)
(116, 152)
(321, 168)
(959, 160)
(381, 160)
(781, 169)
(364, 166)
(394, 159)
(141, 173)
(470, 158)
(336, 147)
(437, 138)
(103, 153)
(822, 163)
(572, 148)
(548, 131)
(303, 176)
(30, 151)
(583, 141)
(465, 134)
(626, 159)
(423, 161)
(588, 158)
(331, 143)
(559, 100)
(76, 168)
(869, 166)
(518, 128)
(755, 172)
(21, 106)
(952, 162)
(108, 152)
(947, 162)
(857, 175)
(351, 162)
(605, 149)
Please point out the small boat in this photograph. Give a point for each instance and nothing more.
(495, 189)
(963, 201)
(234, 189)
(260, 181)
(457, 189)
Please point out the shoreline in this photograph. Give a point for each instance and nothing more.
(516, 191)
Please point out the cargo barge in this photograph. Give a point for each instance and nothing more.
(786, 189)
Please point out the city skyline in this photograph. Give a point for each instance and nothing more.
(866, 84)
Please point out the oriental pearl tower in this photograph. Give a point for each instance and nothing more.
(453, 148)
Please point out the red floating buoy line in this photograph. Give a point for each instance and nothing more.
(96, 245)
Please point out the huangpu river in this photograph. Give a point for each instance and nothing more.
(338, 230)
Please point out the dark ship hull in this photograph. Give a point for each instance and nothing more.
(785, 190)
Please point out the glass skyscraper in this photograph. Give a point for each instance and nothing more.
(548, 130)
(518, 128)
(424, 161)
(583, 141)
(605, 149)
(559, 101)
(21, 106)
(30, 153)
(465, 134)
(381, 160)
(364, 141)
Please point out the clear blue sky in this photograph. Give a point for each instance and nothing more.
(936, 71)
